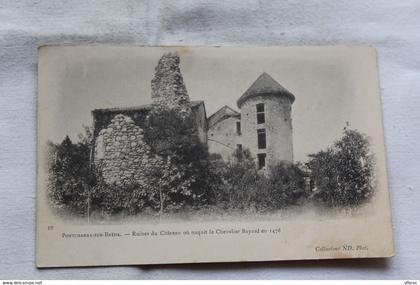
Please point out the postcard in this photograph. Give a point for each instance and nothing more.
(158, 155)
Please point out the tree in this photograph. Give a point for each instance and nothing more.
(130, 199)
(182, 177)
(343, 174)
(86, 137)
(244, 188)
(69, 175)
(284, 187)
(239, 188)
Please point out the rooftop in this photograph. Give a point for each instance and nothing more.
(221, 114)
(265, 85)
(137, 108)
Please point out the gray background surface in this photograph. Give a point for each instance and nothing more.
(393, 27)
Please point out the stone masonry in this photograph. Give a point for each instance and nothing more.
(264, 128)
(168, 88)
(121, 153)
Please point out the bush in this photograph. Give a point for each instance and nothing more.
(245, 189)
(185, 178)
(343, 174)
(130, 199)
(69, 176)
(284, 187)
(238, 182)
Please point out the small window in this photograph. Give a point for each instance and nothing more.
(261, 139)
(239, 152)
(238, 128)
(239, 147)
(261, 160)
(260, 118)
(260, 113)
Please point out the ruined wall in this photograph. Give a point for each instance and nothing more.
(102, 117)
(121, 154)
(168, 88)
(199, 115)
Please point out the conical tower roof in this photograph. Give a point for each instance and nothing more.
(265, 85)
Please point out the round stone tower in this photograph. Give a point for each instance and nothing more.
(266, 121)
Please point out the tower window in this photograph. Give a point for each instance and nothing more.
(261, 160)
(238, 128)
(260, 113)
(239, 147)
(261, 139)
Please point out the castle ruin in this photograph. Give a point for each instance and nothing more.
(263, 125)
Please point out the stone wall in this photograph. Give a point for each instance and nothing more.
(223, 137)
(168, 88)
(278, 125)
(102, 117)
(199, 115)
(121, 154)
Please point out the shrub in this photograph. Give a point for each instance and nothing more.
(246, 189)
(343, 174)
(185, 177)
(69, 176)
(239, 180)
(130, 199)
(283, 187)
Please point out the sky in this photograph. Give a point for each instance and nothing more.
(332, 86)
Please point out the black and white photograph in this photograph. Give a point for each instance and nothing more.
(172, 139)
(214, 141)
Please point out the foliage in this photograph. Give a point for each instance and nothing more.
(284, 187)
(170, 130)
(166, 129)
(184, 174)
(70, 176)
(189, 177)
(247, 189)
(130, 199)
(86, 137)
(239, 182)
(184, 178)
(343, 174)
